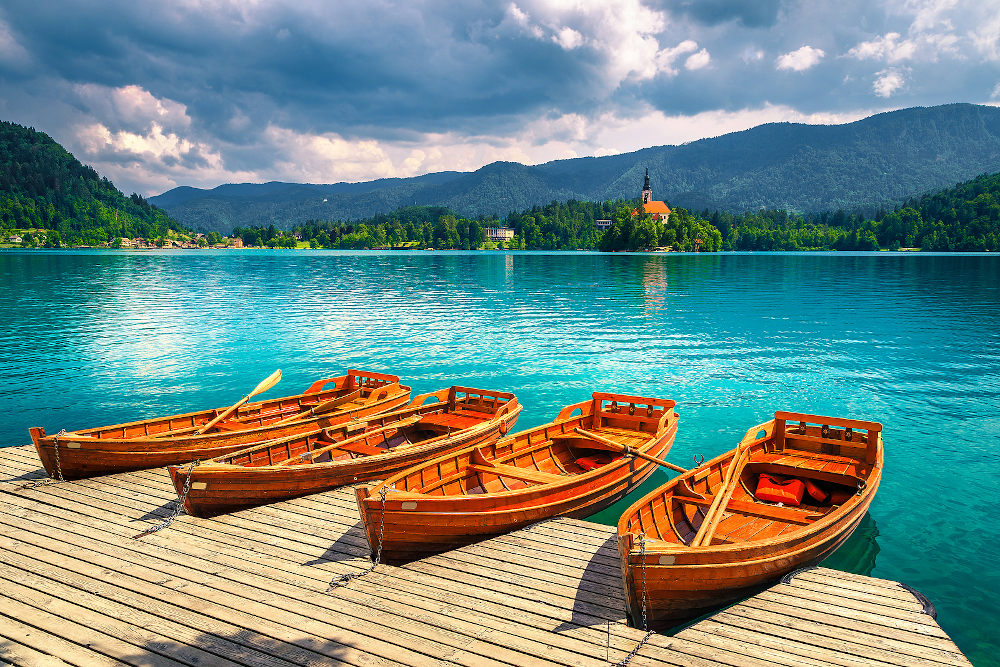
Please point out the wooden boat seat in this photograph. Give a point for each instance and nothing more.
(514, 472)
(451, 421)
(823, 467)
(361, 448)
(785, 514)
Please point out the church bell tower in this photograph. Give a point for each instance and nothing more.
(647, 192)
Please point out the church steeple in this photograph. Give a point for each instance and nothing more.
(647, 192)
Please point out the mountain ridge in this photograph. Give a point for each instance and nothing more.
(878, 161)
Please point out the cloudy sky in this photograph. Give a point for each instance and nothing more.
(156, 95)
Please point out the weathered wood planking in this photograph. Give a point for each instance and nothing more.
(250, 588)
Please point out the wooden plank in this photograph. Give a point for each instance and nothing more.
(90, 546)
(541, 595)
(50, 615)
(820, 632)
(42, 642)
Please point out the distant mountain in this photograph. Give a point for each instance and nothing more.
(876, 162)
(43, 187)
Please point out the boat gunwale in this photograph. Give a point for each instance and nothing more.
(78, 435)
(670, 419)
(506, 414)
(656, 547)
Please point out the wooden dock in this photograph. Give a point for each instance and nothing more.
(251, 588)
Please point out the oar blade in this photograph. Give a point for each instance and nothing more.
(265, 384)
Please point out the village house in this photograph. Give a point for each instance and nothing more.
(498, 233)
(14, 238)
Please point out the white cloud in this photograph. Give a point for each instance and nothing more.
(568, 38)
(995, 95)
(800, 59)
(929, 14)
(698, 60)
(887, 47)
(891, 49)
(888, 81)
(624, 33)
(987, 38)
(132, 105)
(665, 57)
(752, 55)
(11, 51)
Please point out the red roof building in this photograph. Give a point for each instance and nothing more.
(657, 209)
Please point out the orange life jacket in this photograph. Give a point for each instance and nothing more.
(773, 489)
(595, 461)
(816, 492)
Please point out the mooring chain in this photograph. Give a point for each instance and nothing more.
(645, 598)
(59, 473)
(179, 507)
(344, 578)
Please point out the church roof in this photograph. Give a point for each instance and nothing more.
(655, 208)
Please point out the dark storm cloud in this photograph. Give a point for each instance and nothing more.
(351, 68)
(273, 89)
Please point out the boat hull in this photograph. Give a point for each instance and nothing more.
(217, 487)
(408, 526)
(136, 446)
(681, 582)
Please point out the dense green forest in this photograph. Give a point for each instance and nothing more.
(963, 218)
(556, 226)
(877, 162)
(47, 197)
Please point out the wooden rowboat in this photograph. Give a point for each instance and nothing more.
(161, 441)
(573, 466)
(692, 564)
(323, 459)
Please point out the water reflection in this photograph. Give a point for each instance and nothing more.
(912, 341)
(858, 553)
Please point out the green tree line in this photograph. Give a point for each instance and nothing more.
(43, 187)
(963, 218)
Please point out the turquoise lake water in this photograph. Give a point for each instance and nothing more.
(910, 340)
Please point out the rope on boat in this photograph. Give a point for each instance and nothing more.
(645, 597)
(343, 579)
(178, 508)
(59, 473)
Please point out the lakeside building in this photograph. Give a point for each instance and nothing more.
(14, 238)
(498, 233)
(602, 225)
(657, 209)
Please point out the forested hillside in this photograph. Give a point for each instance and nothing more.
(962, 218)
(965, 217)
(877, 162)
(47, 195)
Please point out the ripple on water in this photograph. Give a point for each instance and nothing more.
(914, 342)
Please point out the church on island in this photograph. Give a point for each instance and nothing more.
(657, 209)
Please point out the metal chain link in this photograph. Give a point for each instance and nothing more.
(178, 508)
(343, 579)
(59, 473)
(645, 597)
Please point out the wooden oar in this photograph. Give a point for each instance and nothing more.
(264, 385)
(318, 409)
(626, 449)
(319, 452)
(715, 511)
